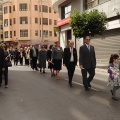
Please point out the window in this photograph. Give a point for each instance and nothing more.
(50, 10)
(36, 8)
(40, 21)
(14, 33)
(45, 8)
(23, 7)
(36, 20)
(10, 9)
(0, 7)
(66, 11)
(45, 33)
(50, 22)
(1, 17)
(45, 21)
(6, 34)
(39, 8)
(23, 33)
(50, 33)
(102, 1)
(10, 34)
(54, 12)
(90, 3)
(14, 21)
(10, 21)
(1, 27)
(6, 22)
(55, 22)
(40, 33)
(14, 8)
(55, 35)
(5, 10)
(36, 32)
(23, 20)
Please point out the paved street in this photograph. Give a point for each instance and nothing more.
(35, 96)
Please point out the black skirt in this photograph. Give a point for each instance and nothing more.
(57, 64)
(50, 65)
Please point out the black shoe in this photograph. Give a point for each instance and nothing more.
(40, 70)
(87, 89)
(43, 71)
(36, 69)
(111, 92)
(89, 85)
(115, 98)
(70, 84)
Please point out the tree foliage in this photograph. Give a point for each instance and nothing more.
(91, 23)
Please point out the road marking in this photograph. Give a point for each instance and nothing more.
(82, 85)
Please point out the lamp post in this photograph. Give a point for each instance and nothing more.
(41, 22)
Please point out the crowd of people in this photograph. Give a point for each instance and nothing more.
(56, 56)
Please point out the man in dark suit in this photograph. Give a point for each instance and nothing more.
(2, 64)
(34, 57)
(87, 62)
(70, 60)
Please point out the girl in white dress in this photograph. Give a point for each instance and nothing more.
(114, 75)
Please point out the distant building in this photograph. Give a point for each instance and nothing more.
(1, 21)
(22, 22)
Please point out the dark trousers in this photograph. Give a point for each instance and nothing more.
(16, 61)
(5, 75)
(87, 80)
(34, 62)
(21, 61)
(71, 69)
(27, 61)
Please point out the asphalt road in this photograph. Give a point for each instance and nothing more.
(35, 96)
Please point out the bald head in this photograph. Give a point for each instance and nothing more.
(71, 43)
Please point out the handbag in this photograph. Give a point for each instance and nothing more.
(9, 64)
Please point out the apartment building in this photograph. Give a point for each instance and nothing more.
(106, 44)
(1, 22)
(27, 22)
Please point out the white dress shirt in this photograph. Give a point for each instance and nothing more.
(72, 58)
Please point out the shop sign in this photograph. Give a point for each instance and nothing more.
(63, 22)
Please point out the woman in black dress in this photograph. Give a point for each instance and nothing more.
(50, 63)
(57, 56)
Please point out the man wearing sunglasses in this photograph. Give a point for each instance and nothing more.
(87, 62)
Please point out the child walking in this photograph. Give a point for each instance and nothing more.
(114, 75)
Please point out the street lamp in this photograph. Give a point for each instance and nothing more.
(41, 1)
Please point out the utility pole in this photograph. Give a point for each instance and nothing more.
(41, 22)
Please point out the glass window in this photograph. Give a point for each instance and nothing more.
(10, 34)
(45, 33)
(55, 22)
(50, 10)
(23, 20)
(10, 21)
(36, 32)
(23, 7)
(10, 9)
(6, 22)
(45, 8)
(36, 8)
(6, 34)
(0, 7)
(23, 33)
(36, 20)
(102, 1)
(50, 21)
(45, 21)
(14, 33)
(5, 10)
(14, 8)
(66, 11)
(90, 3)
(1, 17)
(14, 21)
(50, 33)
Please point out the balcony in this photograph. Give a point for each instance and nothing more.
(56, 3)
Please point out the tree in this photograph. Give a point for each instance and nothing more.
(91, 23)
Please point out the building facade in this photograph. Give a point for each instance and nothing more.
(28, 22)
(106, 44)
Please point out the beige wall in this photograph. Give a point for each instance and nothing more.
(31, 26)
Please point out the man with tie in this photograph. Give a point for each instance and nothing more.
(70, 60)
(87, 62)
